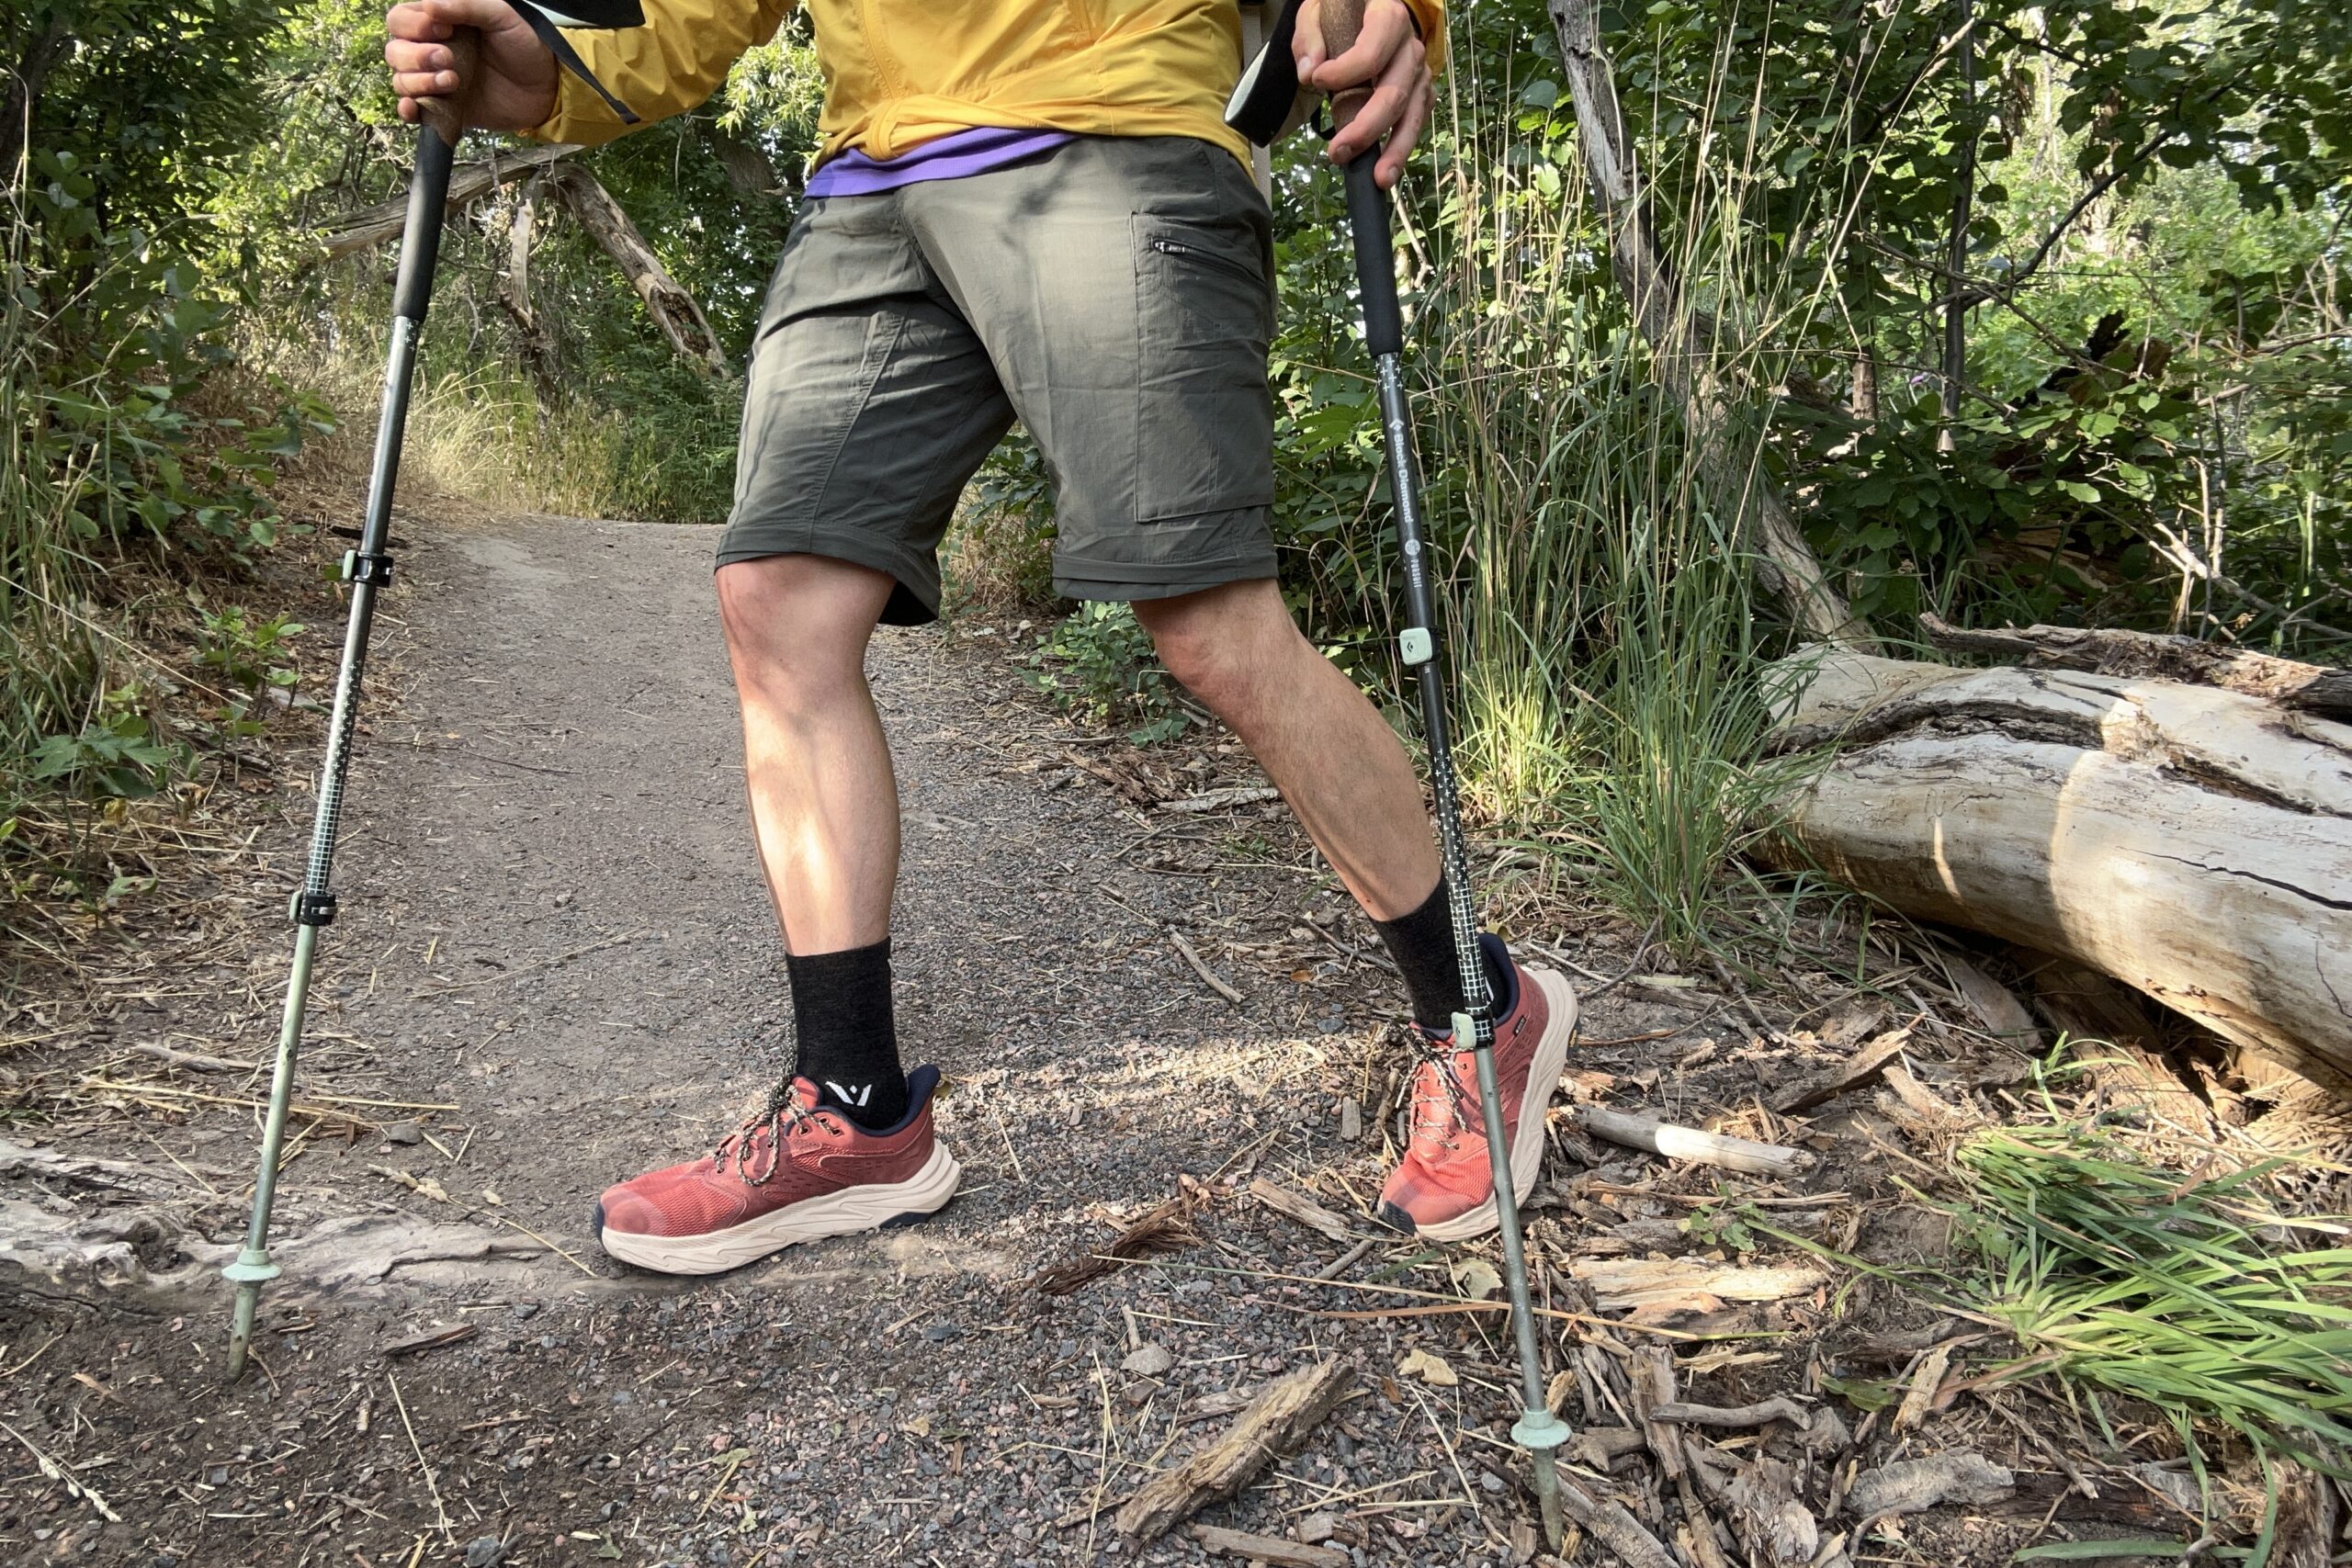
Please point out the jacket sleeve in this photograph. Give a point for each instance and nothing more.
(1430, 16)
(666, 67)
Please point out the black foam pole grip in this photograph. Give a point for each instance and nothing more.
(1384, 325)
(428, 196)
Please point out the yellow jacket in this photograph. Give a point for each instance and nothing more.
(899, 73)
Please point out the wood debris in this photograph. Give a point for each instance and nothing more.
(1623, 1284)
(1672, 1142)
(1271, 1550)
(1165, 1228)
(1858, 1070)
(1910, 1486)
(1276, 1423)
(1299, 1207)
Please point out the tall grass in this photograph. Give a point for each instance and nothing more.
(1610, 666)
(475, 430)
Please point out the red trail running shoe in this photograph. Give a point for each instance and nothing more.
(1444, 1186)
(798, 1171)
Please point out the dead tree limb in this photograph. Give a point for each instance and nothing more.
(2309, 688)
(666, 300)
(469, 183)
(1682, 344)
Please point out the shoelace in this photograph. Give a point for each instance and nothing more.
(1439, 1115)
(782, 1107)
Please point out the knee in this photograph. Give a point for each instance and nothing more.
(793, 638)
(1224, 646)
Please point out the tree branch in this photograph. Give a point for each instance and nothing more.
(469, 183)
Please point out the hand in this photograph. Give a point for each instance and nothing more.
(1388, 55)
(516, 89)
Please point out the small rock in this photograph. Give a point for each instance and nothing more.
(1317, 1528)
(525, 1311)
(1490, 1481)
(940, 1333)
(485, 1551)
(403, 1133)
(1149, 1362)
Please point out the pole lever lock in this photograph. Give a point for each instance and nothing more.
(1416, 647)
(312, 909)
(361, 567)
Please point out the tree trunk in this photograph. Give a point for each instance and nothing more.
(666, 301)
(1682, 342)
(2193, 842)
(26, 77)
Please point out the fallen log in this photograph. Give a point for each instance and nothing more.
(2289, 682)
(2192, 842)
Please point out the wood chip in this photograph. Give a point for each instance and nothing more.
(1621, 1284)
(431, 1340)
(1920, 1397)
(1199, 967)
(1759, 1415)
(1277, 1422)
(1270, 1549)
(1915, 1485)
(1299, 1207)
(1778, 1531)
(1674, 1141)
(1858, 1070)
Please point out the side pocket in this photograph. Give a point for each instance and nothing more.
(1205, 414)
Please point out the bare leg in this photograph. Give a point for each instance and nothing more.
(1322, 742)
(824, 801)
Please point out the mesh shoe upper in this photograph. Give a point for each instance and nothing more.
(793, 1149)
(1446, 1170)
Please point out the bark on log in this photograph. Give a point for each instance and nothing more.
(2193, 842)
(1682, 340)
(2309, 688)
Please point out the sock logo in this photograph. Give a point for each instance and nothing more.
(865, 1092)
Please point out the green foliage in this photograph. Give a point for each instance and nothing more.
(2125, 1278)
(1098, 662)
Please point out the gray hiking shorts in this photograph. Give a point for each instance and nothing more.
(1114, 295)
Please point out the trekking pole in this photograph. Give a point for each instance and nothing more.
(1538, 1430)
(368, 570)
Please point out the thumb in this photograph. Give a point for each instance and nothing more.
(1306, 42)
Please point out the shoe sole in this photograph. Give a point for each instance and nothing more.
(1543, 1083)
(874, 1206)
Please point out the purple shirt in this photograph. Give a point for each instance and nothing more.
(950, 157)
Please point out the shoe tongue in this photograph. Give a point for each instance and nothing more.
(806, 1093)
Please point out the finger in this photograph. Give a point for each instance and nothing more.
(1380, 111)
(414, 22)
(425, 84)
(1386, 32)
(409, 110)
(1407, 135)
(404, 56)
(1306, 41)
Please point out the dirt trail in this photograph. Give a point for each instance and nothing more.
(553, 926)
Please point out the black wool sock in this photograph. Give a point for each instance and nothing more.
(849, 1046)
(1423, 946)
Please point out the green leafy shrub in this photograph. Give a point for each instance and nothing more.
(1098, 663)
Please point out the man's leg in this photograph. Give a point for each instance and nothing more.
(1320, 738)
(1336, 761)
(824, 809)
(1347, 778)
(824, 803)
